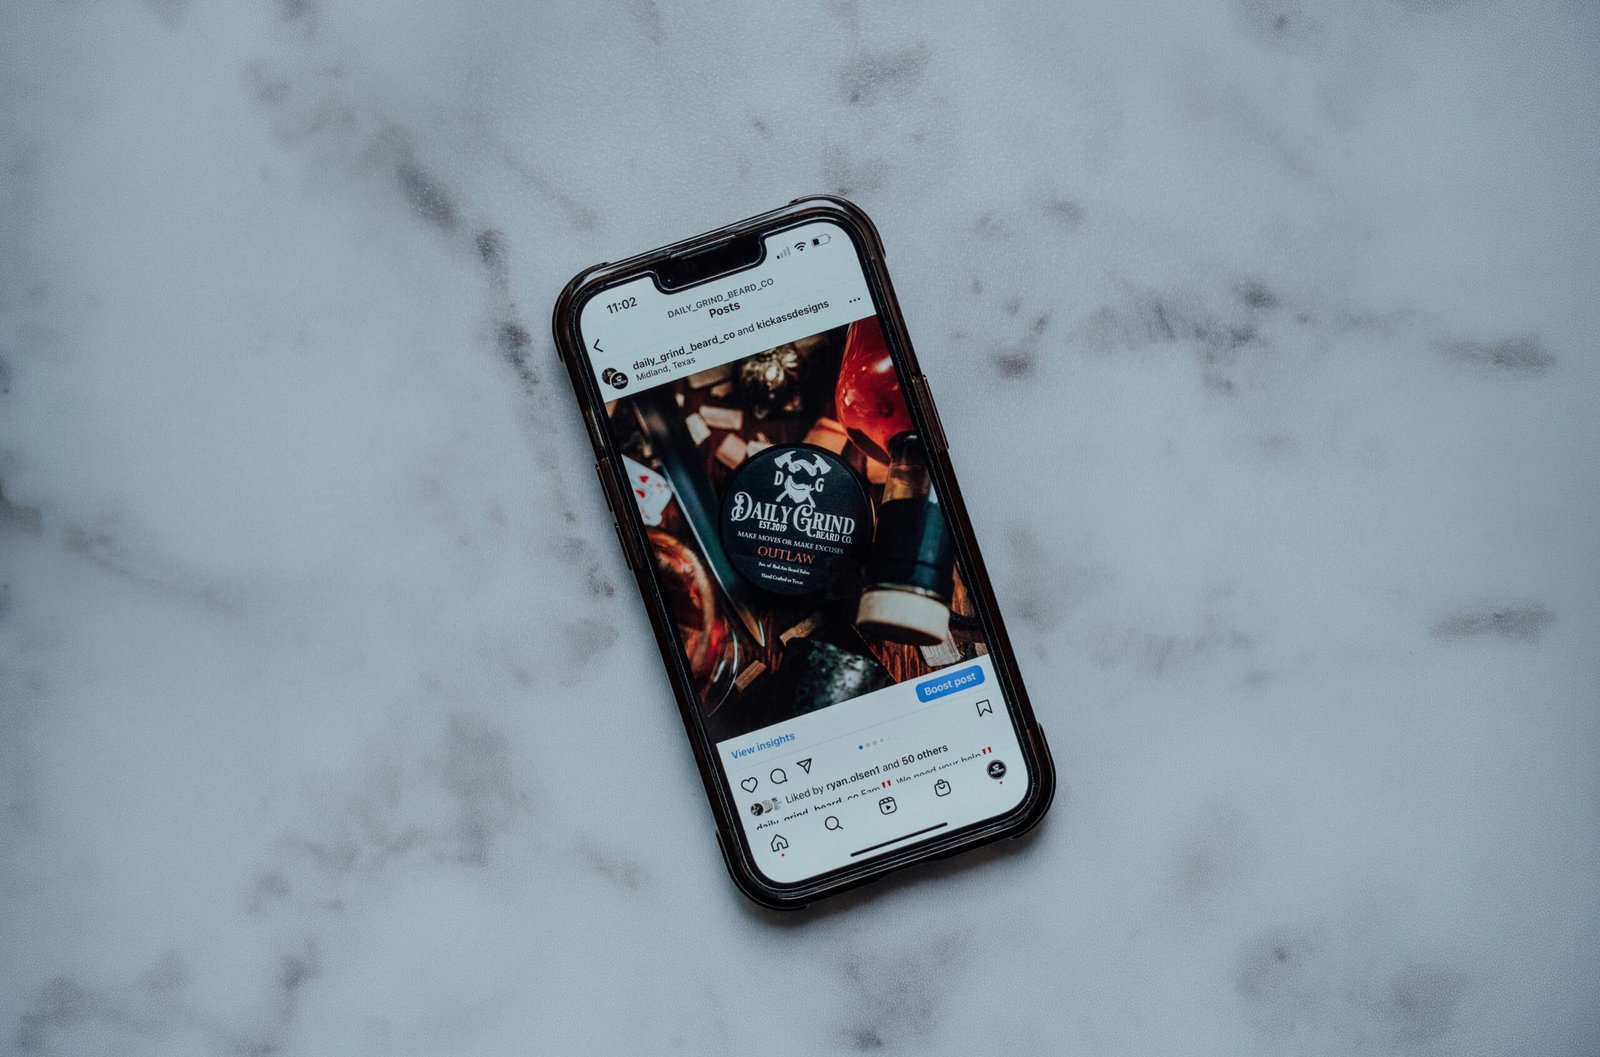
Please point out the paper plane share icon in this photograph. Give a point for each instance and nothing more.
(805, 764)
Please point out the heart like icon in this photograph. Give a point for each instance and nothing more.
(749, 784)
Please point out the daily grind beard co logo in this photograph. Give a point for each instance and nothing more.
(800, 478)
(794, 518)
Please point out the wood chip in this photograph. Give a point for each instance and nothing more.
(730, 418)
(749, 675)
(827, 433)
(722, 389)
(698, 430)
(731, 452)
(942, 653)
(802, 629)
(709, 376)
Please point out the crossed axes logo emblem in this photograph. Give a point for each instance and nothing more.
(800, 474)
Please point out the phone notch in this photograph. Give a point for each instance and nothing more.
(723, 257)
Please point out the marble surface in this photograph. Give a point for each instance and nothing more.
(1267, 338)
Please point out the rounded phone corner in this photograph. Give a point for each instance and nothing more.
(843, 211)
(1038, 802)
(752, 887)
(565, 311)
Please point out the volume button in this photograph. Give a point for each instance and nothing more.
(591, 421)
(630, 549)
(622, 541)
(608, 483)
(937, 441)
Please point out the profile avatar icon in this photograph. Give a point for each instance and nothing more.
(615, 378)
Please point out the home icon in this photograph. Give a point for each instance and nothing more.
(778, 843)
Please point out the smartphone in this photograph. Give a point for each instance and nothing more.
(782, 491)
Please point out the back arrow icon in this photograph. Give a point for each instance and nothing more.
(597, 347)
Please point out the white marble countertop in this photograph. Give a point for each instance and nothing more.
(1267, 338)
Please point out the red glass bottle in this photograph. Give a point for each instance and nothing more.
(869, 403)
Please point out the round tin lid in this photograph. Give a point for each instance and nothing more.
(795, 518)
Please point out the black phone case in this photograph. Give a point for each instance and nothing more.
(630, 531)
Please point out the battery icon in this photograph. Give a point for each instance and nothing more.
(821, 240)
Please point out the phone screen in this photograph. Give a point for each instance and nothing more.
(820, 607)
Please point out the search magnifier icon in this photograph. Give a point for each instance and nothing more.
(832, 822)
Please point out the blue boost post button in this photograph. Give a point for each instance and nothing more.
(950, 683)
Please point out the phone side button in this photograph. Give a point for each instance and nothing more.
(635, 560)
(597, 437)
(608, 483)
(937, 441)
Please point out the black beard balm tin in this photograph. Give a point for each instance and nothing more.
(794, 519)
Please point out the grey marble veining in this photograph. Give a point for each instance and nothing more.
(1266, 336)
